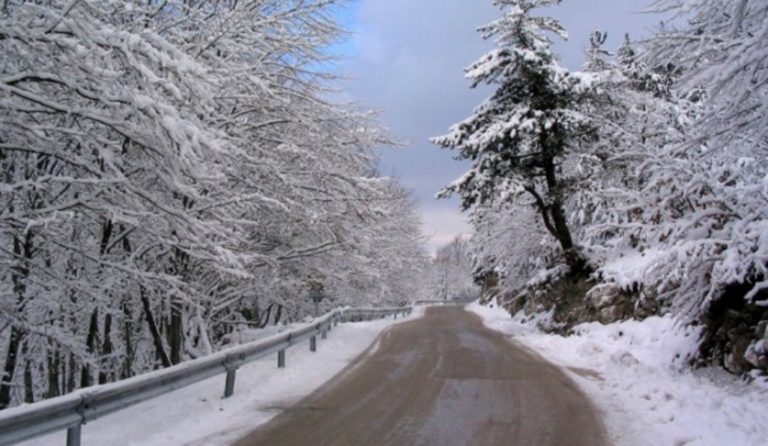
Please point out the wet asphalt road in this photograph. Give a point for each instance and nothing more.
(443, 379)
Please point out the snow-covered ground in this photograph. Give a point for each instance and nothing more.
(634, 373)
(197, 414)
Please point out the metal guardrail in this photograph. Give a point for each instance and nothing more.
(73, 410)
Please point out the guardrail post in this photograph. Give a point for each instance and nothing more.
(313, 343)
(281, 359)
(73, 435)
(229, 385)
(324, 333)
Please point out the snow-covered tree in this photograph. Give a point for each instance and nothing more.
(518, 137)
(172, 173)
(635, 115)
(712, 219)
(450, 273)
(660, 162)
(508, 245)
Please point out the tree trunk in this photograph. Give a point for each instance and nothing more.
(174, 333)
(562, 232)
(128, 325)
(180, 267)
(54, 364)
(264, 317)
(22, 250)
(71, 373)
(11, 357)
(106, 351)
(126, 369)
(90, 344)
(555, 220)
(29, 385)
(157, 338)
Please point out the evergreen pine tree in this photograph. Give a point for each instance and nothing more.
(518, 137)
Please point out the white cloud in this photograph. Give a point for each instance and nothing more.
(442, 225)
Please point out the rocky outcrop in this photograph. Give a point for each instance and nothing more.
(573, 299)
(609, 302)
(735, 332)
(489, 287)
(757, 351)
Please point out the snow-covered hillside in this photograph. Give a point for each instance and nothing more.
(635, 373)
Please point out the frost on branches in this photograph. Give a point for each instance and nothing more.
(172, 175)
(450, 273)
(508, 246)
(654, 159)
(723, 66)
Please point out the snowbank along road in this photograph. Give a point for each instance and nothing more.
(443, 379)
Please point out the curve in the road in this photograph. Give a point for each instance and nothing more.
(443, 379)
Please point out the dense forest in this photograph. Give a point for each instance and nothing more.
(173, 172)
(631, 187)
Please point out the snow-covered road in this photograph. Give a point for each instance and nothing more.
(443, 380)
(627, 369)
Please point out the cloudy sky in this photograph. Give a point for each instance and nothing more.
(405, 58)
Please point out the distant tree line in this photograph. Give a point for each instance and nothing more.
(449, 275)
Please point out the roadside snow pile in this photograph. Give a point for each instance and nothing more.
(631, 267)
(635, 373)
(197, 414)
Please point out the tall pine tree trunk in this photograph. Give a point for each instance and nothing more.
(558, 226)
